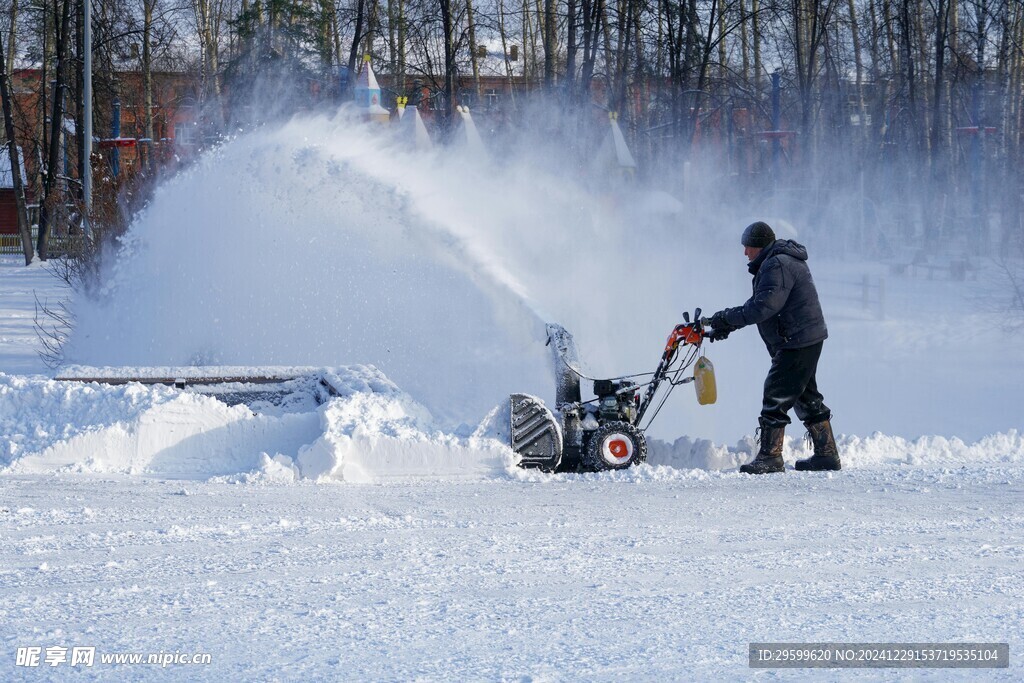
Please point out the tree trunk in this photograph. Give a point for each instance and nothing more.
(449, 63)
(936, 150)
(691, 51)
(980, 144)
(589, 9)
(755, 27)
(625, 50)
(335, 35)
(20, 204)
(504, 51)
(472, 49)
(1003, 74)
(353, 53)
(550, 44)
(50, 199)
(906, 29)
(208, 36)
(570, 50)
(12, 34)
(147, 77)
(875, 33)
(617, 67)
(890, 37)
(878, 100)
(401, 45)
(392, 48)
(83, 154)
(529, 45)
(1017, 87)
(703, 47)
(941, 38)
(609, 53)
(859, 62)
(922, 50)
(723, 69)
(744, 44)
(799, 48)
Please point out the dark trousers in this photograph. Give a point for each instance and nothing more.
(791, 384)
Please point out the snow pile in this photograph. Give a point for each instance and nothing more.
(701, 454)
(375, 431)
(877, 449)
(133, 429)
(369, 431)
(37, 414)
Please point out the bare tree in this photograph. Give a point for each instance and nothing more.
(14, 158)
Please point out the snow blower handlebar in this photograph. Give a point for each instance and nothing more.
(685, 334)
(716, 333)
(689, 333)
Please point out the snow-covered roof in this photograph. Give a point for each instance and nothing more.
(367, 90)
(366, 78)
(469, 133)
(622, 153)
(6, 179)
(614, 152)
(414, 129)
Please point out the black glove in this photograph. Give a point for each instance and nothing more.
(719, 333)
(717, 321)
(720, 329)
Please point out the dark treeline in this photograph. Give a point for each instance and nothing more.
(905, 113)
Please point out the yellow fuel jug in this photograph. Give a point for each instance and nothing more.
(704, 381)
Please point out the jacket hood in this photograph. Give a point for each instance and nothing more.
(787, 247)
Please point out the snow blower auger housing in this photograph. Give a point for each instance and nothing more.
(606, 432)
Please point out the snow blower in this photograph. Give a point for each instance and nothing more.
(607, 432)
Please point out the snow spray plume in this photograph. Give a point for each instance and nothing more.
(298, 245)
(324, 242)
(263, 87)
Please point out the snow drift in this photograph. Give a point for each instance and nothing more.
(368, 431)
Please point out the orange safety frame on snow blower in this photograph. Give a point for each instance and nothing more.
(689, 333)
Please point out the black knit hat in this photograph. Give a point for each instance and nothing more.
(758, 235)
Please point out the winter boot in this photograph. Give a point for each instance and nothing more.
(769, 455)
(826, 455)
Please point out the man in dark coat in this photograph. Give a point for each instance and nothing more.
(788, 315)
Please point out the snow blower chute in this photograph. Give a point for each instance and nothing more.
(606, 432)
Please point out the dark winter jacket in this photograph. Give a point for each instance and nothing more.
(785, 304)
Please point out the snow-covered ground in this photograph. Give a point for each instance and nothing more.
(152, 521)
(656, 574)
(21, 289)
(365, 520)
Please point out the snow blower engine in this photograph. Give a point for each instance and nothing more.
(606, 432)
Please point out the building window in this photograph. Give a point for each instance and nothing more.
(184, 134)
